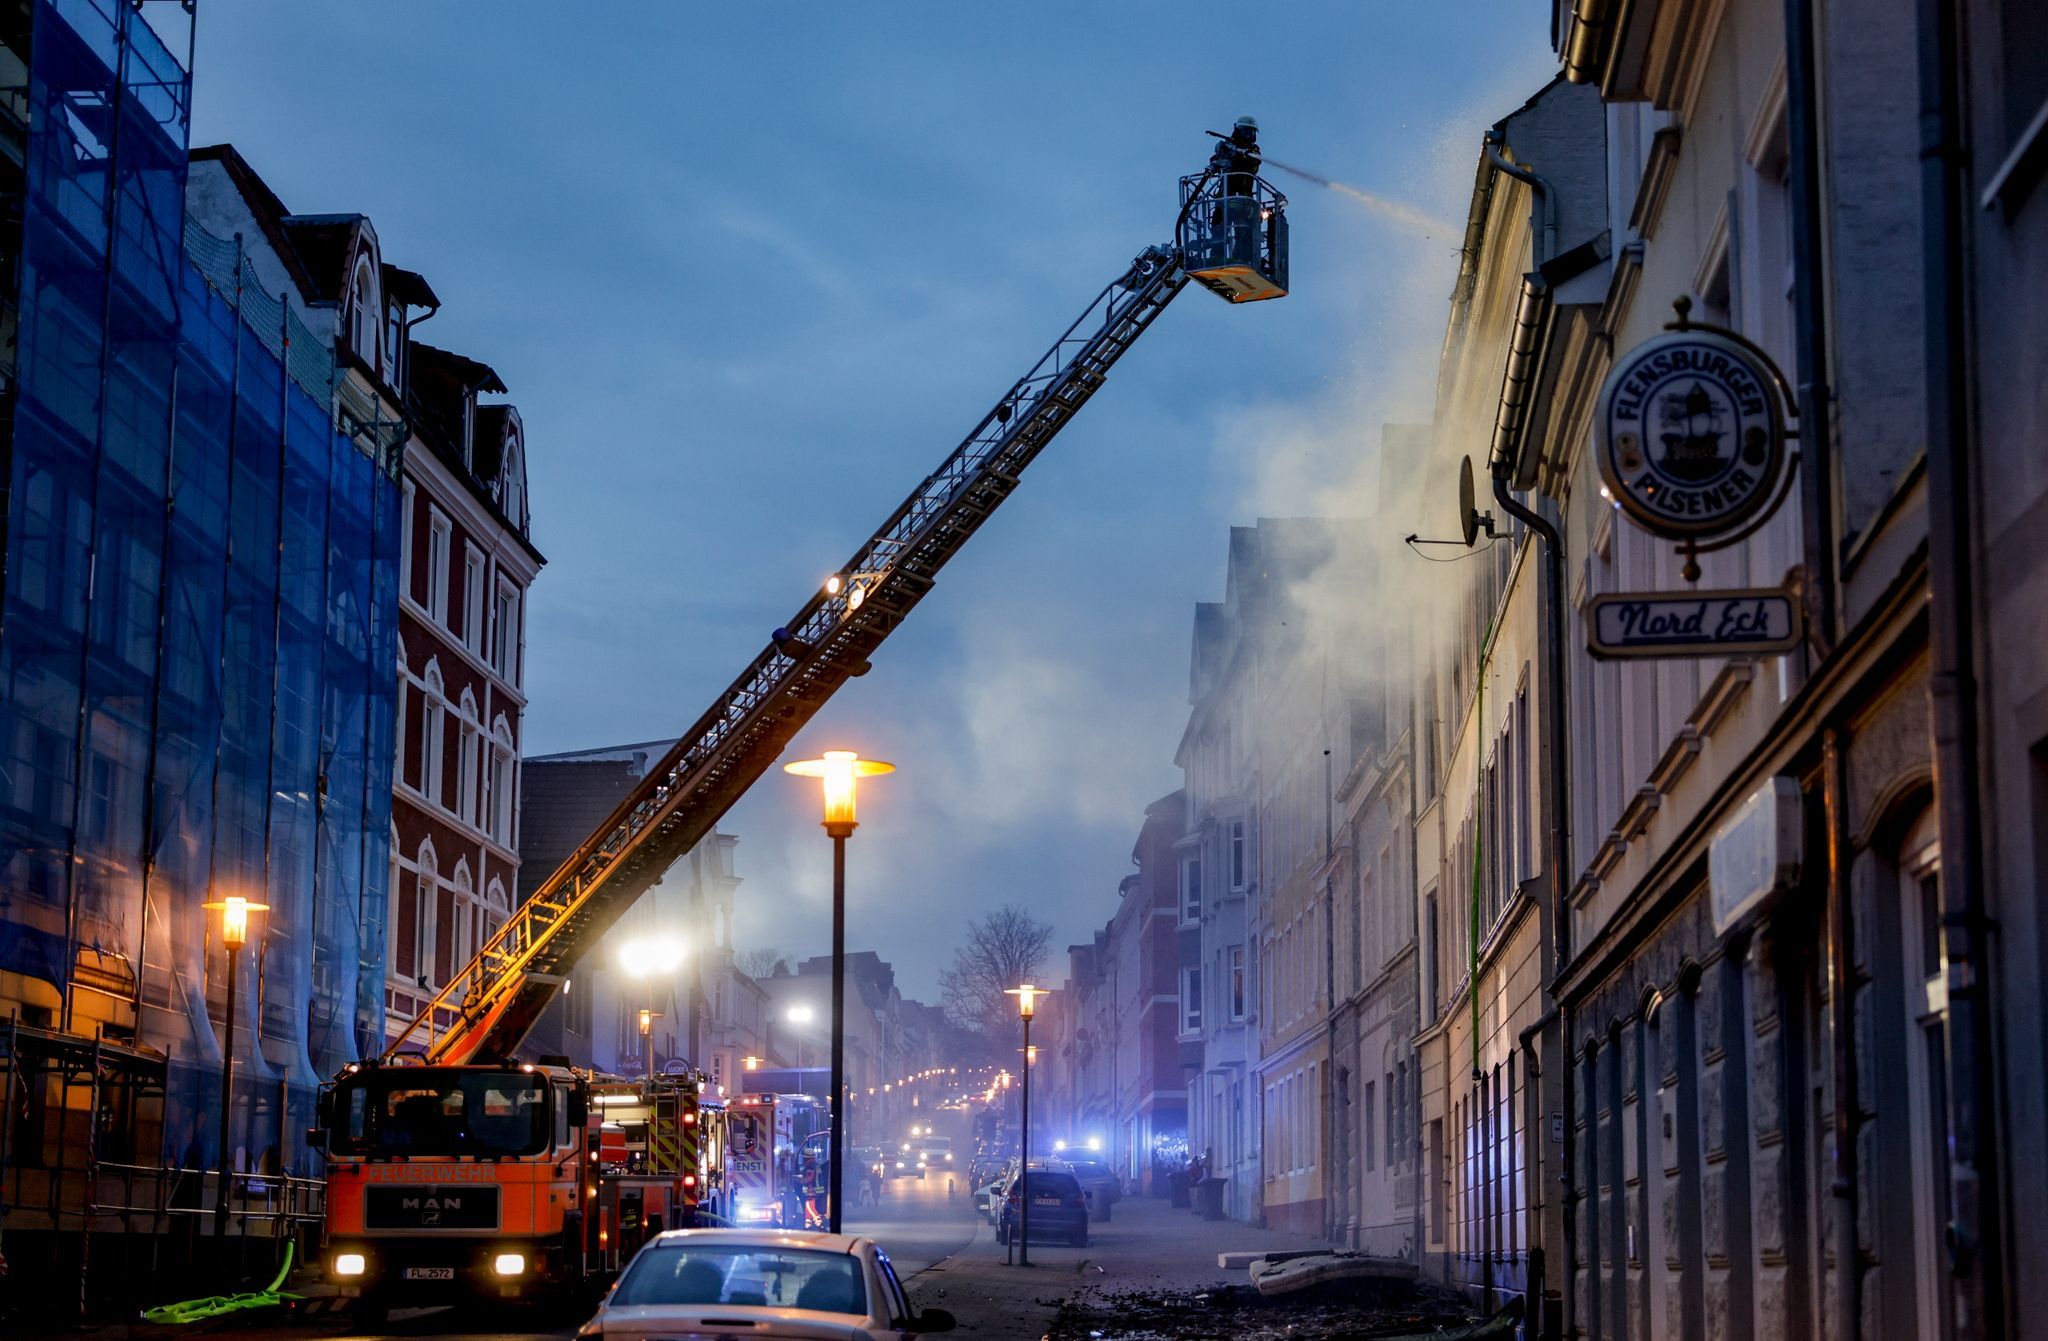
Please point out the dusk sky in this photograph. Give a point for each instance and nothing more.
(751, 270)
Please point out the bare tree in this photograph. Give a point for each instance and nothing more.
(760, 962)
(1003, 949)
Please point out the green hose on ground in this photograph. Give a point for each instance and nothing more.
(217, 1305)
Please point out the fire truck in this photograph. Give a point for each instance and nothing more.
(459, 1167)
(768, 1144)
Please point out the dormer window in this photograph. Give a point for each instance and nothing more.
(366, 321)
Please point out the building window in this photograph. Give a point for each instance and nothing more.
(1237, 992)
(405, 511)
(505, 631)
(1395, 1080)
(467, 922)
(470, 734)
(500, 807)
(433, 736)
(363, 329)
(426, 919)
(439, 541)
(497, 910)
(1190, 1000)
(473, 600)
(1239, 857)
(1366, 1110)
(1190, 889)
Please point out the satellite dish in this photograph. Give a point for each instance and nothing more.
(1468, 511)
(1470, 519)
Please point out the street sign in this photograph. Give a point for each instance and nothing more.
(1691, 434)
(1693, 623)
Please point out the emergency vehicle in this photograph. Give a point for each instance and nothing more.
(456, 1181)
(457, 1166)
(768, 1148)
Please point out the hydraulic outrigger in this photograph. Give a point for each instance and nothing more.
(457, 1054)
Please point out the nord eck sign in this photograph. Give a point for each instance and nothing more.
(1692, 623)
(1691, 434)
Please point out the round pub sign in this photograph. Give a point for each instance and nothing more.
(1691, 434)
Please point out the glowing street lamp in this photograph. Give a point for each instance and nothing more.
(234, 913)
(839, 772)
(1027, 1006)
(798, 1017)
(751, 1063)
(644, 958)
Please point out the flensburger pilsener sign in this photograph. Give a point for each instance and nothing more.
(1691, 434)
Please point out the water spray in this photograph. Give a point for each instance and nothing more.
(1406, 215)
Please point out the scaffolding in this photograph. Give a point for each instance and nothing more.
(81, 1200)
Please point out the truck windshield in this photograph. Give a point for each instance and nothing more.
(424, 1111)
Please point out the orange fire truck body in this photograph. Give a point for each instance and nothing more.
(447, 1182)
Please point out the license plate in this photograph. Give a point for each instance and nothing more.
(1045, 1201)
(430, 1273)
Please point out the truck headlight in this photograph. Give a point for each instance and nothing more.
(349, 1264)
(509, 1264)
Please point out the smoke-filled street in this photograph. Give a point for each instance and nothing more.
(1039, 671)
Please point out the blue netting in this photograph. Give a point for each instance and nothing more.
(200, 618)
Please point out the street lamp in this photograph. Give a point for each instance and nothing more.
(751, 1062)
(234, 934)
(838, 771)
(644, 958)
(798, 1017)
(1027, 1006)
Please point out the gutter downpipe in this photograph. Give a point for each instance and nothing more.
(1817, 474)
(1809, 305)
(1524, 357)
(1977, 1263)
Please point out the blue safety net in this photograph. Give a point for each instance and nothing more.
(199, 624)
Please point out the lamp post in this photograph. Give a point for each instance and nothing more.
(234, 934)
(1027, 1006)
(838, 771)
(650, 958)
(798, 1017)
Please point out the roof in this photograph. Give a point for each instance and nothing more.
(326, 244)
(468, 372)
(409, 287)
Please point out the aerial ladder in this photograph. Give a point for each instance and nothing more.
(1231, 237)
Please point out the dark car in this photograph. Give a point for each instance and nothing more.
(1059, 1209)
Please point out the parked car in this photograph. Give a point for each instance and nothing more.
(1059, 1208)
(773, 1285)
(1098, 1180)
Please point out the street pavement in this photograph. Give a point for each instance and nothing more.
(1145, 1247)
(944, 1251)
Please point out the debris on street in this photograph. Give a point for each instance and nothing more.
(1355, 1310)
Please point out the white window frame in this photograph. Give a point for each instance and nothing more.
(1191, 1000)
(1237, 855)
(1190, 889)
(473, 620)
(440, 545)
(504, 649)
(409, 503)
(471, 735)
(1237, 984)
(433, 736)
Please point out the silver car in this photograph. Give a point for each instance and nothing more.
(769, 1284)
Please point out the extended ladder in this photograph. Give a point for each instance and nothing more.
(495, 999)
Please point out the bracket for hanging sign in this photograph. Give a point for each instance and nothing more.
(1691, 436)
